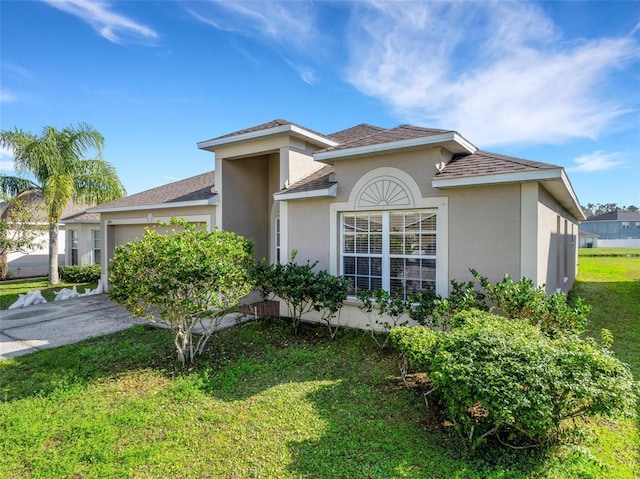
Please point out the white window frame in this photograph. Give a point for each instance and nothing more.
(438, 203)
(96, 236)
(386, 256)
(74, 236)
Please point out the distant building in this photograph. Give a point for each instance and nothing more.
(614, 229)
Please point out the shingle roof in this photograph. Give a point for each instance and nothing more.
(355, 133)
(617, 215)
(399, 133)
(82, 217)
(484, 163)
(265, 126)
(318, 180)
(190, 189)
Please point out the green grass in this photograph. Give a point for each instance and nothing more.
(9, 290)
(262, 403)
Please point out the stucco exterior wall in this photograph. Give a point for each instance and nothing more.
(245, 200)
(557, 244)
(308, 231)
(419, 164)
(484, 231)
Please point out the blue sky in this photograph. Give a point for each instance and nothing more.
(557, 82)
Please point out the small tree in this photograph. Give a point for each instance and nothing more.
(189, 278)
(20, 232)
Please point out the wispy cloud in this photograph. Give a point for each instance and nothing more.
(109, 24)
(596, 161)
(498, 72)
(306, 74)
(7, 97)
(290, 23)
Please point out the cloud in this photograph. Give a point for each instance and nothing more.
(110, 25)
(289, 23)
(7, 97)
(497, 72)
(596, 161)
(306, 74)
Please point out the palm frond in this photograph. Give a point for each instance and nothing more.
(13, 185)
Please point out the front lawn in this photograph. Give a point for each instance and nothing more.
(263, 403)
(9, 290)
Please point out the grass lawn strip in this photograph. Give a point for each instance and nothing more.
(9, 290)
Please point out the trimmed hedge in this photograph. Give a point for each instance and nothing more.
(506, 378)
(80, 274)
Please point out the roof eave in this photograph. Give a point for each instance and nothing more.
(213, 201)
(565, 194)
(210, 145)
(331, 191)
(452, 140)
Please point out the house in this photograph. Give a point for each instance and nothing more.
(587, 239)
(618, 228)
(404, 208)
(35, 262)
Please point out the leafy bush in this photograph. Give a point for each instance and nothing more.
(80, 274)
(508, 379)
(303, 290)
(522, 300)
(187, 279)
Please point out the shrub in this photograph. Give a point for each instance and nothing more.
(508, 379)
(303, 290)
(417, 345)
(80, 274)
(187, 279)
(522, 300)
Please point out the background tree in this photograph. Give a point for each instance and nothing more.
(595, 209)
(55, 160)
(21, 229)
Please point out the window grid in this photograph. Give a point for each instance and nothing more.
(97, 249)
(393, 250)
(73, 240)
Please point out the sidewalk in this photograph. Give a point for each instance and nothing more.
(42, 326)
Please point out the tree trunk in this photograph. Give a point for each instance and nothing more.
(53, 253)
(4, 272)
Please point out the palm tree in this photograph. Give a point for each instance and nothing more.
(55, 160)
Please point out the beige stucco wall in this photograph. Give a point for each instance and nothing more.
(419, 164)
(484, 231)
(245, 200)
(557, 244)
(308, 230)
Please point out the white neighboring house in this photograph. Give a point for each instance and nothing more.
(75, 244)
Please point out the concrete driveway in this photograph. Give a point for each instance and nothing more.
(42, 326)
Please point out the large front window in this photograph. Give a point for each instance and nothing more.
(393, 250)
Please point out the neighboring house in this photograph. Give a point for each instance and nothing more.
(615, 228)
(83, 239)
(36, 262)
(405, 208)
